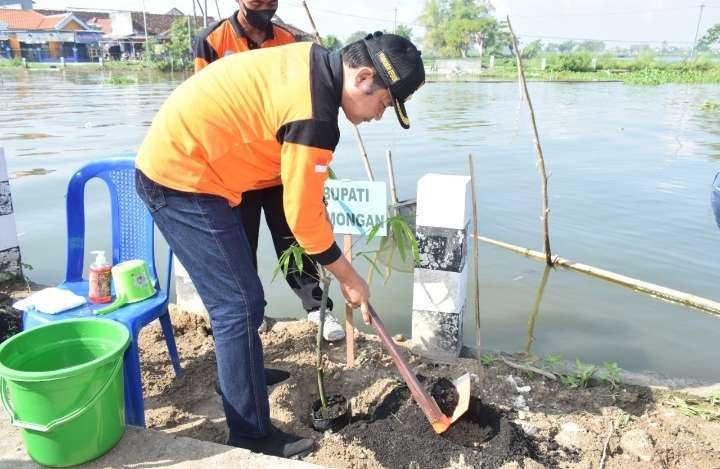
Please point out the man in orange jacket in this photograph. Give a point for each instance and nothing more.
(242, 122)
(247, 29)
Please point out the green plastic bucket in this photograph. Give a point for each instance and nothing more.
(62, 384)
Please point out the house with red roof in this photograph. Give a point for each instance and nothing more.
(37, 37)
(81, 36)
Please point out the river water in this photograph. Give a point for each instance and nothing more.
(630, 176)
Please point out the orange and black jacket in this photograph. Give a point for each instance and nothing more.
(247, 119)
(228, 37)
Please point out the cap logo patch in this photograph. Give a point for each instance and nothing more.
(389, 69)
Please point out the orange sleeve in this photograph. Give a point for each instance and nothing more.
(200, 63)
(304, 170)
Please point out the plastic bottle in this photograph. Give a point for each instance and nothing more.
(99, 279)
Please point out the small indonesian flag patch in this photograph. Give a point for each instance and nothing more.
(321, 166)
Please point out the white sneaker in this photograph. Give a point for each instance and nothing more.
(332, 330)
(263, 326)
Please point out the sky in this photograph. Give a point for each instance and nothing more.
(619, 22)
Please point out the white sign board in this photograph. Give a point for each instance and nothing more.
(355, 207)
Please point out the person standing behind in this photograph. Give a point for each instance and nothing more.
(247, 29)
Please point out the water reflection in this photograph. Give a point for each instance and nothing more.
(536, 308)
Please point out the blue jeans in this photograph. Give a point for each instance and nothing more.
(208, 238)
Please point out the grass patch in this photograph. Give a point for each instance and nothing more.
(121, 80)
(6, 63)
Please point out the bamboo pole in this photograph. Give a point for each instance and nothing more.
(391, 179)
(349, 326)
(538, 149)
(356, 132)
(668, 294)
(476, 255)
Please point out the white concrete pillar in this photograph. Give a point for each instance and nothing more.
(594, 63)
(62, 62)
(492, 61)
(543, 64)
(188, 299)
(10, 265)
(440, 280)
(24, 62)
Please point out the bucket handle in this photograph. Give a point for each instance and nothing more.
(58, 421)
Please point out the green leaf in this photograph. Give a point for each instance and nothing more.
(399, 240)
(373, 232)
(298, 254)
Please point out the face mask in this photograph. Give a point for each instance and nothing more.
(259, 18)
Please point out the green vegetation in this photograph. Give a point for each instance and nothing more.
(332, 42)
(10, 63)
(121, 80)
(711, 37)
(612, 374)
(487, 359)
(552, 363)
(578, 66)
(709, 409)
(455, 28)
(580, 378)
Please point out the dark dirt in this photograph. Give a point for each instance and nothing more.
(336, 406)
(444, 392)
(484, 436)
(546, 424)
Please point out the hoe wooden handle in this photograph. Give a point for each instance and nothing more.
(439, 421)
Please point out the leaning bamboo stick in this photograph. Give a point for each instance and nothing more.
(668, 294)
(356, 132)
(538, 149)
(476, 256)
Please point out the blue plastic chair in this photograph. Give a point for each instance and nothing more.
(132, 238)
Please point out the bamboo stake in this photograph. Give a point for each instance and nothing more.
(358, 138)
(668, 294)
(538, 149)
(476, 256)
(391, 178)
(349, 326)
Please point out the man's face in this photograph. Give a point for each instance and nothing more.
(258, 4)
(362, 100)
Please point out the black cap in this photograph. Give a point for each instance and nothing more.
(400, 66)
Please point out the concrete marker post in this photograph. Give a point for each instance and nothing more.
(492, 61)
(543, 64)
(10, 262)
(188, 299)
(440, 279)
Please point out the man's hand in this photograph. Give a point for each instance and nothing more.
(353, 287)
(357, 295)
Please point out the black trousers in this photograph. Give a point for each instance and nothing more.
(270, 201)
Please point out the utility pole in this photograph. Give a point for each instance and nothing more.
(395, 25)
(205, 15)
(145, 27)
(697, 30)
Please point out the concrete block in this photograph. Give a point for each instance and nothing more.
(436, 335)
(442, 248)
(443, 201)
(10, 263)
(436, 290)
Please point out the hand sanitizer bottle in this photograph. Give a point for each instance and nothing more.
(99, 279)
